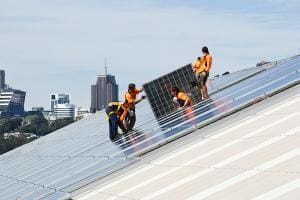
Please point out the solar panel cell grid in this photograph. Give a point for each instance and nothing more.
(159, 90)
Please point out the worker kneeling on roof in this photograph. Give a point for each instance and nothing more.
(181, 99)
(115, 111)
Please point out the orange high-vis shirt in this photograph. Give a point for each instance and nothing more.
(200, 66)
(183, 97)
(197, 64)
(208, 62)
(131, 97)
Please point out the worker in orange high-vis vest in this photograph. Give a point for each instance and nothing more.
(198, 66)
(181, 99)
(131, 99)
(202, 71)
(132, 93)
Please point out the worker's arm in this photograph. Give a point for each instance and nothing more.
(186, 103)
(195, 67)
(141, 99)
(185, 98)
(141, 89)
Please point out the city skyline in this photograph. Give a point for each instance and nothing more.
(47, 52)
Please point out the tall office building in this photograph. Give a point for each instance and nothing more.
(58, 99)
(12, 102)
(2, 79)
(104, 91)
(61, 107)
(64, 111)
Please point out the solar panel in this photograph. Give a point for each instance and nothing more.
(225, 81)
(54, 166)
(159, 90)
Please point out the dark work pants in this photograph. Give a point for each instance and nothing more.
(113, 124)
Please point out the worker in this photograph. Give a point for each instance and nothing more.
(198, 66)
(181, 99)
(202, 70)
(115, 111)
(131, 101)
(130, 96)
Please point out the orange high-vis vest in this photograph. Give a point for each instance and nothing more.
(182, 97)
(131, 97)
(200, 66)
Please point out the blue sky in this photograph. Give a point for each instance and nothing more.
(50, 46)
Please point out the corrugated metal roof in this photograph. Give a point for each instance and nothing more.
(57, 165)
(256, 157)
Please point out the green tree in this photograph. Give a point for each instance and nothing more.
(31, 124)
(60, 123)
(13, 142)
(43, 130)
(15, 122)
(29, 128)
(36, 120)
(4, 126)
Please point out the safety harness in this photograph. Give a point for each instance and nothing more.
(113, 112)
